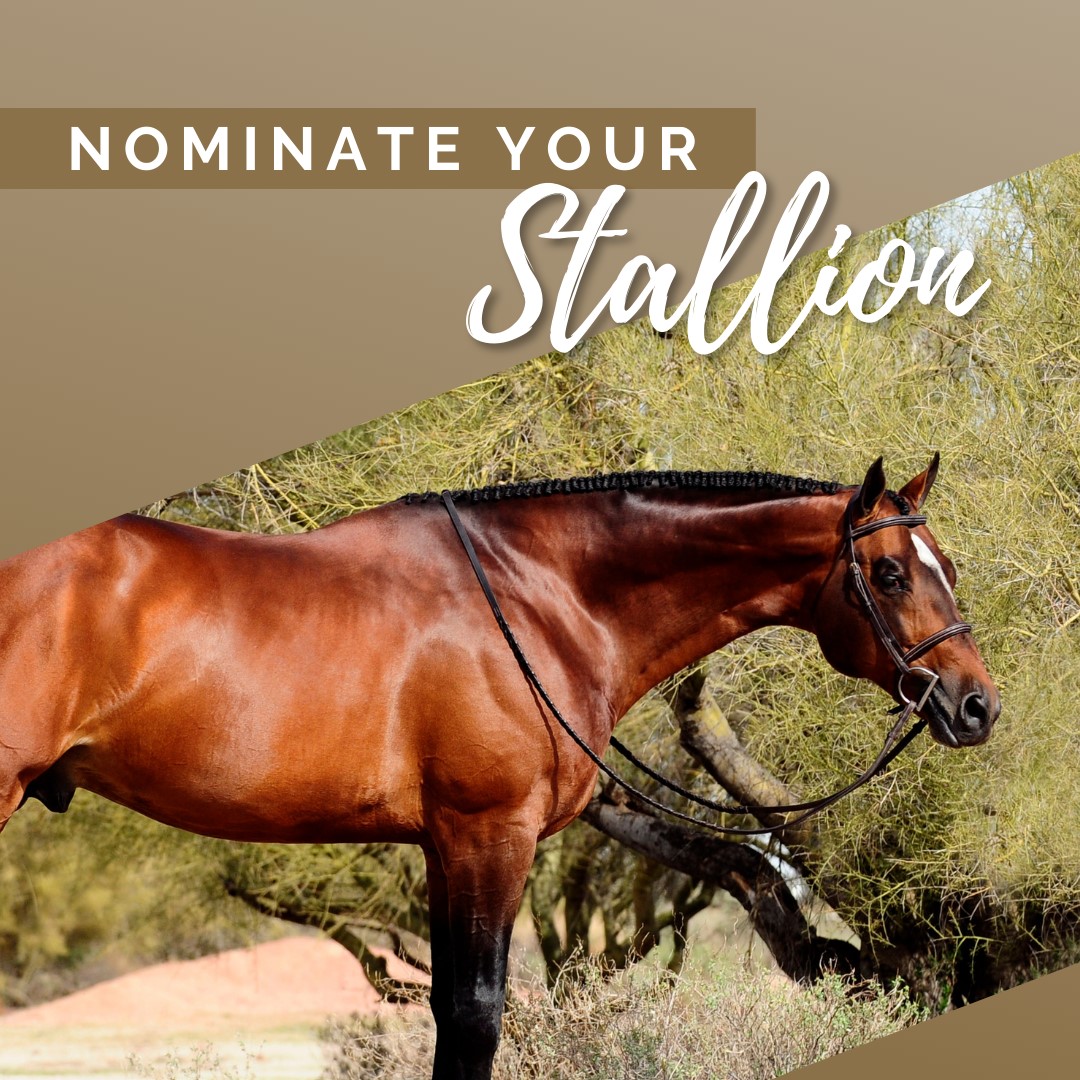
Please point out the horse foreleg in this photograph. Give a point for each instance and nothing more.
(479, 882)
(442, 967)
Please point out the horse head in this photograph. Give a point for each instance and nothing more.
(887, 612)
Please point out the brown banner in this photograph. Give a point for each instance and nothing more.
(1023, 1031)
(374, 148)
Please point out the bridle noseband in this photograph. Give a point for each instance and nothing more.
(882, 630)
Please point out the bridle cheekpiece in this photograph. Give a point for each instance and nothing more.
(900, 656)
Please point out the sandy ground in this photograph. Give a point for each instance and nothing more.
(247, 1014)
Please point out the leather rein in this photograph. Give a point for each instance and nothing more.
(893, 744)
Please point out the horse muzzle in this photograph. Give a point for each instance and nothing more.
(964, 719)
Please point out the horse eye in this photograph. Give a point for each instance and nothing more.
(891, 577)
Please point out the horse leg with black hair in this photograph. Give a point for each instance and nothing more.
(475, 888)
(442, 968)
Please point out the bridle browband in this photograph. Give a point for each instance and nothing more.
(891, 748)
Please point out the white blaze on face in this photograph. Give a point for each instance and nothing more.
(926, 557)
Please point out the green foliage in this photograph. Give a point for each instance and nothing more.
(998, 393)
(331, 885)
(97, 891)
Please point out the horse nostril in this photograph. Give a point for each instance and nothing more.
(974, 712)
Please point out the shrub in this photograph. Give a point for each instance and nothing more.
(642, 1025)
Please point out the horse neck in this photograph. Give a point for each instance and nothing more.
(676, 575)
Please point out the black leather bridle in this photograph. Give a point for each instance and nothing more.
(900, 656)
(891, 748)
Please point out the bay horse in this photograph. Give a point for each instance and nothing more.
(351, 685)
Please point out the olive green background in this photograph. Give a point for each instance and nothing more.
(154, 339)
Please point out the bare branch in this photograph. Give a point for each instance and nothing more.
(346, 934)
(741, 871)
(705, 734)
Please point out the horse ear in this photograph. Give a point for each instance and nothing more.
(869, 495)
(916, 489)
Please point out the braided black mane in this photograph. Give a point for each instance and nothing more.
(636, 481)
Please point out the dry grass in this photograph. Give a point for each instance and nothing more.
(648, 1026)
